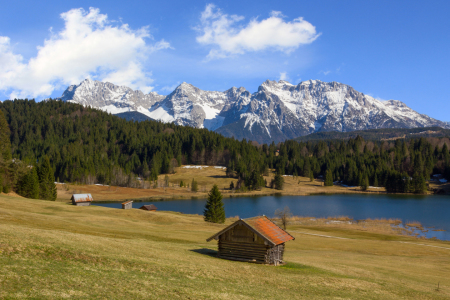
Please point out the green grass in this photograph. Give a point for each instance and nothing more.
(53, 250)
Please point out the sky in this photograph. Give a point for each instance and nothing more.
(386, 49)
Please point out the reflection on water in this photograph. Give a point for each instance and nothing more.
(431, 211)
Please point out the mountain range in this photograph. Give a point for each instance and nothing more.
(276, 112)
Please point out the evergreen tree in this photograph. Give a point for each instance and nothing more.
(328, 178)
(5, 143)
(214, 211)
(311, 176)
(375, 180)
(194, 185)
(365, 183)
(47, 187)
(29, 185)
(279, 182)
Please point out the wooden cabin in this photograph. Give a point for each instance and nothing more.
(149, 207)
(127, 205)
(81, 199)
(257, 240)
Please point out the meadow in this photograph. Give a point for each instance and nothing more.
(54, 250)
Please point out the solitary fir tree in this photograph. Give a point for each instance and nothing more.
(214, 211)
(328, 178)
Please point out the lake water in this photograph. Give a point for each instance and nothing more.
(431, 211)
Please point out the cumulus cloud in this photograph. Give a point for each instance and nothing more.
(89, 46)
(227, 35)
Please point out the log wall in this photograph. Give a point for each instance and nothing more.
(242, 244)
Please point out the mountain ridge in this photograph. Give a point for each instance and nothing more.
(275, 112)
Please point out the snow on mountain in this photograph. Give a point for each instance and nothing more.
(109, 97)
(277, 111)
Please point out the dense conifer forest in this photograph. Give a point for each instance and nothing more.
(81, 144)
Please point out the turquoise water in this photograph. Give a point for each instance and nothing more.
(432, 212)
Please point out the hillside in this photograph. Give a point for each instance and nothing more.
(55, 250)
(378, 134)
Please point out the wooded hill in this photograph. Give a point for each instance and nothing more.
(378, 134)
(91, 146)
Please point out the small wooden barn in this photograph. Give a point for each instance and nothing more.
(127, 205)
(81, 199)
(149, 207)
(257, 240)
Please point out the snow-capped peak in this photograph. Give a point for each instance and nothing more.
(277, 111)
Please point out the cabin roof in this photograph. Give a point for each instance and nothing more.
(127, 202)
(148, 207)
(82, 198)
(262, 226)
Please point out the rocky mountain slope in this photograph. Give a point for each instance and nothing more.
(276, 112)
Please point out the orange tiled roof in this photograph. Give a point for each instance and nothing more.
(268, 229)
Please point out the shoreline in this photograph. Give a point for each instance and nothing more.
(201, 195)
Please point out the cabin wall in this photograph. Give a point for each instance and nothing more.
(127, 206)
(275, 255)
(240, 243)
(82, 203)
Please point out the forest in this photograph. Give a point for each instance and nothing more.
(85, 145)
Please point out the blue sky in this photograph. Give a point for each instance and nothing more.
(387, 49)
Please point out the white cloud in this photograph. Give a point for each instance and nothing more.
(228, 36)
(284, 76)
(89, 45)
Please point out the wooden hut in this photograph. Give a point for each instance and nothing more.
(81, 199)
(149, 207)
(127, 205)
(257, 240)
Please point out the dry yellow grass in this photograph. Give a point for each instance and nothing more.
(53, 250)
(206, 178)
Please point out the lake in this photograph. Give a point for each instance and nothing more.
(430, 211)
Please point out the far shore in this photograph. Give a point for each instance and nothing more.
(206, 178)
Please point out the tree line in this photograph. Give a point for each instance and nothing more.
(85, 145)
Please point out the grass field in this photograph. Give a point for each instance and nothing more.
(206, 178)
(52, 250)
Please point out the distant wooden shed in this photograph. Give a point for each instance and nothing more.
(257, 240)
(149, 207)
(81, 199)
(127, 205)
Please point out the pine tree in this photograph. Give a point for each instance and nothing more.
(5, 143)
(29, 185)
(365, 183)
(311, 176)
(47, 187)
(279, 182)
(328, 178)
(375, 181)
(194, 185)
(214, 211)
